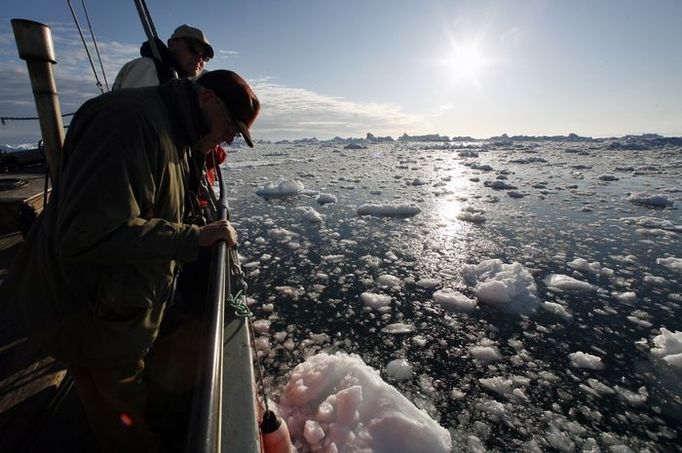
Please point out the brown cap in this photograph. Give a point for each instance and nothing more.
(239, 99)
(187, 31)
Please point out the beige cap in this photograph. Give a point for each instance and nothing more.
(187, 31)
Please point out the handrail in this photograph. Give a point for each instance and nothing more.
(204, 435)
(224, 410)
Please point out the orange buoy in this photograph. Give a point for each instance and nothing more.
(275, 434)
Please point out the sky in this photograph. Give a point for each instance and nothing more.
(325, 68)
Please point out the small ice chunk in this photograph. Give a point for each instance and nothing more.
(398, 328)
(584, 360)
(595, 267)
(428, 283)
(313, 432)
(388, 280)
(557, 309)
(506, 386)
(283, 188)
(566, 283)
(389, 210)
(671, 263)
(649, 199)
(630, 397)
(399, 370)
(668, 347)
(325, 198)
(485, 353)
(261, 326)
(375, 301)
(312, 215)
(600, 387)
(469, 214)
(509, 287)
(333, 258)
(454, 300)
(628, 297)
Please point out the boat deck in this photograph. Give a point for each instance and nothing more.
(37, 412)
(40, 409)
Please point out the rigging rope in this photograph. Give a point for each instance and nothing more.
(4, 119)
(94, 40)
(87, 51)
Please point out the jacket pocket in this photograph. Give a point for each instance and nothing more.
(123, 293)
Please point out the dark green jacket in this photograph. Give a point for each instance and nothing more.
(96, 269)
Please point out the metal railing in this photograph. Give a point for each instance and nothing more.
(224, 412)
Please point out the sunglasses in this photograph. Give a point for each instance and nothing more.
(234, 129)
(197, 48)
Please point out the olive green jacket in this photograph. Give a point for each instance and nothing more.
(97, 267)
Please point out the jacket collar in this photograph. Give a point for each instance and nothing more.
(188, 121)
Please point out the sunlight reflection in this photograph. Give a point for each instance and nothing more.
(448, 207)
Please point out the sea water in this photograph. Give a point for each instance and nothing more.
(523, 296)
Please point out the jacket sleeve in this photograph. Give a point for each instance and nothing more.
(121, 173)
(137, 73)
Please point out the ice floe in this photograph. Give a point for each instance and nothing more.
(649, 199)
(310, 214)
(325, 198)
(398, 328)
(508, 287)
(557, 309)
(671, 263)
(399, 370)
(469, 214)
(668, 347)
(283, 188)
(485, 353)
(389, 210)
(511, 388)
(594, 267)
(562, 282)
(375, 301)
(652, 223)
(428, 283)
(388, 280)
(584, 360)
(454, 300)
(338, 403)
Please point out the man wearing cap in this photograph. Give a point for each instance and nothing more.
(96, 269)
(187, 52)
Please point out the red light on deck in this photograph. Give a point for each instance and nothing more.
(126, 420)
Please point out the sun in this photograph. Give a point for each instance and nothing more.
(466, 62)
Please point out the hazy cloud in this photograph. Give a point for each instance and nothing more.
(286, 112)
(294, 112)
